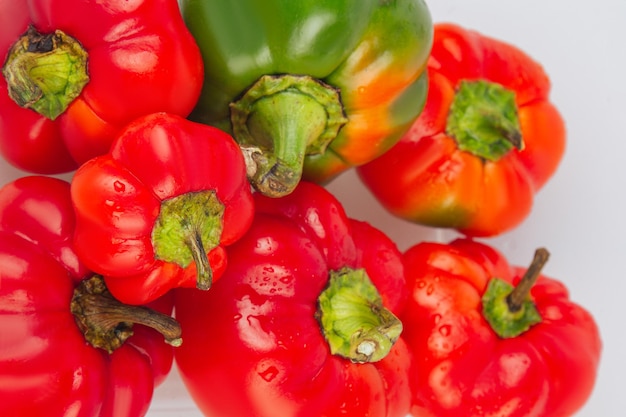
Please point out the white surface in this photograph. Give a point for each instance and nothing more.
(580, 214)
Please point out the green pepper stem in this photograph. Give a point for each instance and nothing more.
(107, 323)
(46, 72)
(509, 310)
(516, 298)
(484, 121)
(188, 226)
(278, 122)
(353, 319)
(204, 273)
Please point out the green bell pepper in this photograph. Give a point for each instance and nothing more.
(310, 88)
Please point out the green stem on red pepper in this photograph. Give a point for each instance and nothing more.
(46, 72)
(354, 321)
(280, 120)
(107, 323)
(187, 227)
(483, 120)
(509, 310)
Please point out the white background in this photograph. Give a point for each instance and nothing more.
(580, 215)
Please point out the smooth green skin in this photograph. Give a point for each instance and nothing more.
(242, 40)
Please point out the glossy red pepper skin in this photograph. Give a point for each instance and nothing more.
(46, 366)
(253, 346)
(426, 178)
(463, 368)
(118, 198)
(141, 59)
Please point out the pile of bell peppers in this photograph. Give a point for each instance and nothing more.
(195, 226)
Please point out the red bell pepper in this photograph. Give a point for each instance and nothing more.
(302, 323)
(75, 72)
(157, 211)
(64, 351)
(486, 142)
(484, 345)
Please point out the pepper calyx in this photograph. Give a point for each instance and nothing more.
(282, 119)
(483, 120)
(353, 319)
(509, 309)
(46, 72)
(187, 228)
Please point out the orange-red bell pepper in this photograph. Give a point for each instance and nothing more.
(487, 141)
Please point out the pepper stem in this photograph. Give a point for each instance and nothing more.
(204, 273)
(46, 72)
(483, 120)
(280, 120)
(519, 295)
(353, 319)
(509, 310)
(187, 228)
(107, 323)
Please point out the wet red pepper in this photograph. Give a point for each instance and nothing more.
(484, 345)
(157, 211)
(302, 322)
(75, 72)
(487, 141)
(67, 347)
